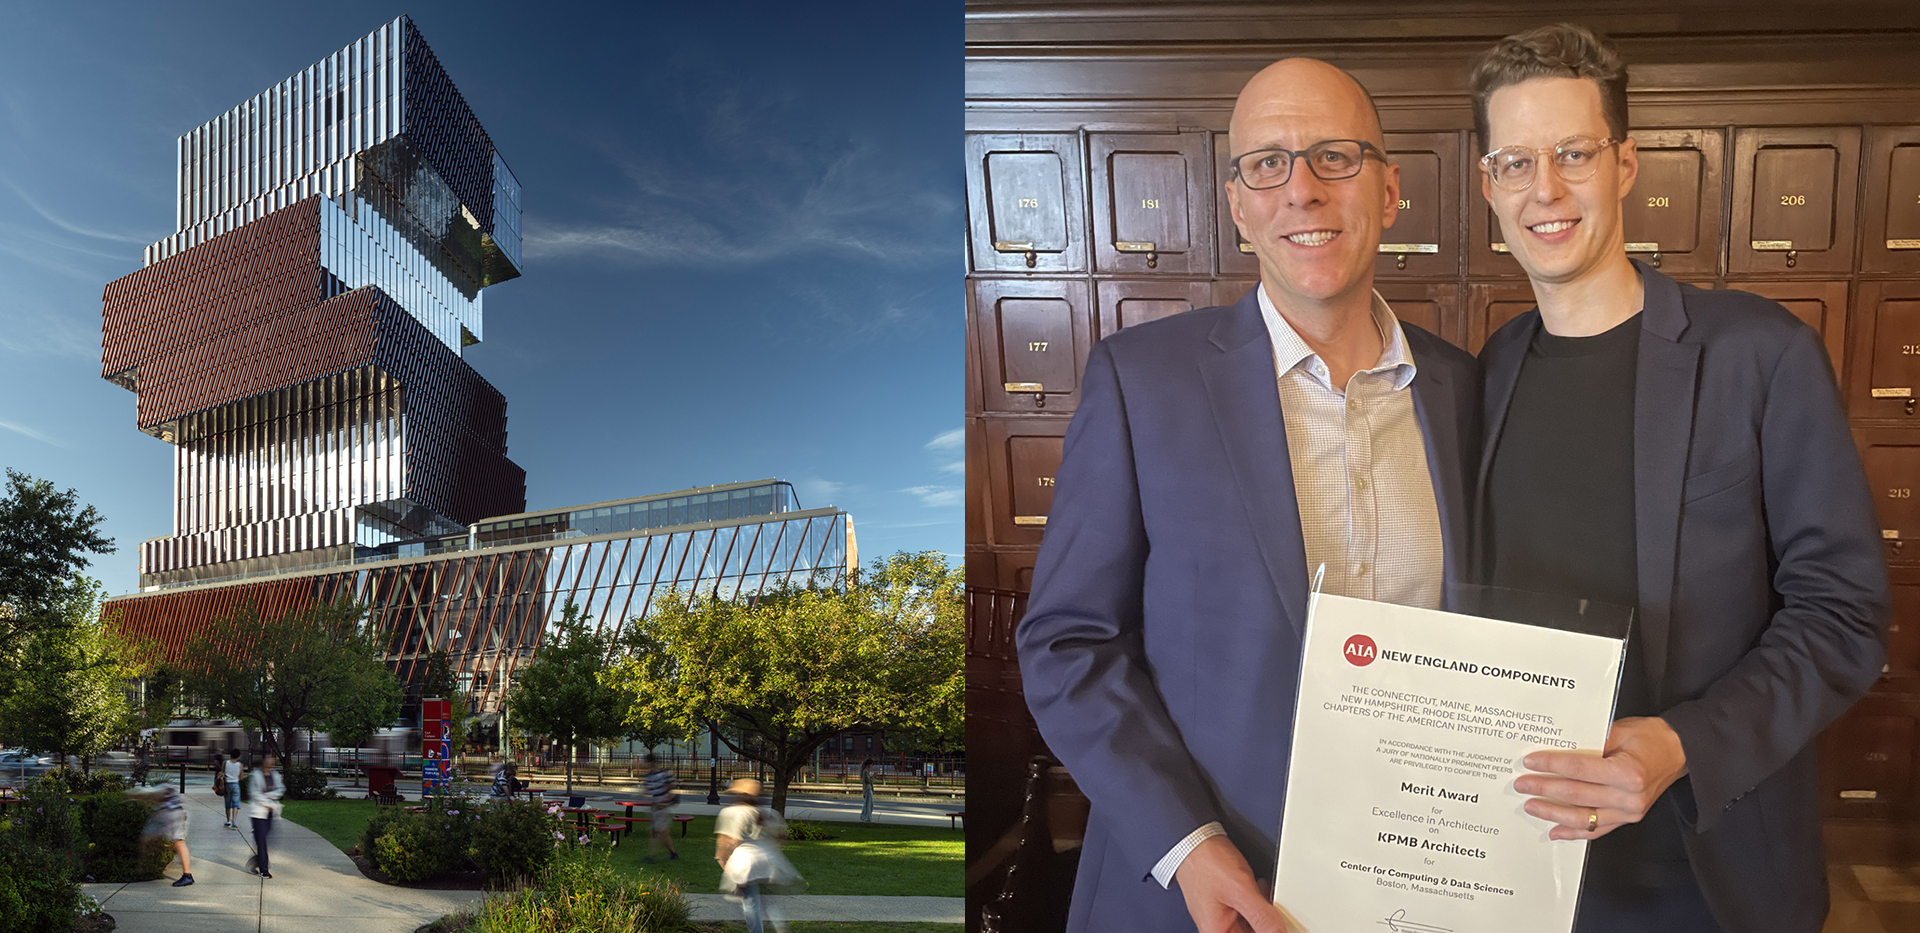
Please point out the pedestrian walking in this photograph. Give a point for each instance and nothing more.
(230, 780)
(747, 846)
(168, 824)
(866, 788)
(662, 795)
(264, 788)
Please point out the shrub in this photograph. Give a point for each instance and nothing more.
(809, 831)
(39, 889)
(112, 824)
(47, 816)
(412, 848)
(513, 840)
(304, 782)
(580, 891)
(77, 784)
(376, 827)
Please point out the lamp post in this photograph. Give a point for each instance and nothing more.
(713, 764)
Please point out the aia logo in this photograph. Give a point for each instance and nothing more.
(1360, 651)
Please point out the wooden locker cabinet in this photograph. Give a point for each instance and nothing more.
(1236, 254)
(1126, 302)
(1823, 305)
(1015, 568)
(1026, 202)
(1890, 237)
(1671, 218)
(1424, 240)
(1033, 336)
(1493, 304)
(1794, 190)
(1885, 380)
(1902, 672)
(1229, 291)
(977, 506)
(1892, 460)
(1151, 203)
(1434, 307)
(1867, 760)
(1022, 456)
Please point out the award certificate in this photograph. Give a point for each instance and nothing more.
(1411, 724)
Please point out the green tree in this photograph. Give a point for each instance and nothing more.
(563, 694)
(45, 537)
(69, 689)
(782, 673)
(317, 668)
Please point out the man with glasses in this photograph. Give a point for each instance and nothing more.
(1681, 451)
(1217, 460)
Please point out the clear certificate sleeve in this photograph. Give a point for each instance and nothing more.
(1409, 729)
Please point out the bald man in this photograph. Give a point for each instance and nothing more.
(1217, 458)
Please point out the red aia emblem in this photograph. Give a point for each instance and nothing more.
(1360, 651)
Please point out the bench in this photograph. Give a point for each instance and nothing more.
(955, 815)
(612, 831)
(628, 820)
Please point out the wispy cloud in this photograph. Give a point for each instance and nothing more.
(66, 225)
(29, 432)
(948, 440)
(29, 327)
(937, 496)
(957, 467)
(818, 493)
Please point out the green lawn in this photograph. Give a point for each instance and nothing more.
(867, 858)
(825, 927)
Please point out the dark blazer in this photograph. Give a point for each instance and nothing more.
(1160, 647)
(1763, 595)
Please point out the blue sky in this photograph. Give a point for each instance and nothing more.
(743, 234)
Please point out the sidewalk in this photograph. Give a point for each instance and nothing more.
(313, 881)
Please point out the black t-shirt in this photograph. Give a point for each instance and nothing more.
(1560, 520)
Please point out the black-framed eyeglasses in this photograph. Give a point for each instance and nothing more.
(1328, 159)
(1575, 158)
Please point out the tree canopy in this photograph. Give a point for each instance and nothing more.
(313, 669)
(45, 537)
(67, 692)
(782, 673)
(561, 693)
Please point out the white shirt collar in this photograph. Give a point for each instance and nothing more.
(1291, 352)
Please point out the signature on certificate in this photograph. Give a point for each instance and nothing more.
(1397, 922)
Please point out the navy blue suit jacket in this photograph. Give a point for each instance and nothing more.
(1160, 648)
(1763, 594)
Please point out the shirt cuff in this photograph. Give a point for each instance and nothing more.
(1170, 863)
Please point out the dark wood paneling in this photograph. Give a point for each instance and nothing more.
(1885, 380)
(1493, 304)
(1033, 336)
(1890, 229)
(1026, 203)
(1126, 302)
(1152, 203)
(1023, 454)
(1672, 217)
(1424, 240)
(1794, 191)
(1892, 460)
(1434, 307)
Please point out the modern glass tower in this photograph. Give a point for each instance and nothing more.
(298, 339)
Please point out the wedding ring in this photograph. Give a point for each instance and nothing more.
(1593, 820)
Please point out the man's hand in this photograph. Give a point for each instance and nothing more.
(1221, 893)
(1642, 759)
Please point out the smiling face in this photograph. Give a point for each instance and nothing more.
(1316, 239)
(1560, 231)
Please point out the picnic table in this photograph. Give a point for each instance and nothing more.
(581, 812)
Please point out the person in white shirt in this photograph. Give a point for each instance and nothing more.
(231, 771)
(264, 788)
(747, 846)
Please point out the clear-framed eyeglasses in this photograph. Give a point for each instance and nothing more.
(1575, 158)
(1328, 159)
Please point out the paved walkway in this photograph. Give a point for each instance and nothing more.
(314, 882)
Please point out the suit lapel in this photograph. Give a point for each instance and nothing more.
(1244, 393)
(1663, 403)
(1500, 374)
(1440, 429)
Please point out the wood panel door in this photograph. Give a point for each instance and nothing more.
(1793, 199)
(1026, 197)
(1022, 456)
(1868, 760)
(1892, 460)
(1152, 204)
(1890, 228)
(1125, 302)
(1672, 216)
(1433, 307)
(1424, 240)
(1235, 253)
(1491, 305)
(1885, 382)
(1033, 337)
